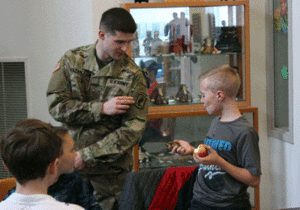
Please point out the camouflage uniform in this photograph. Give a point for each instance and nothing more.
(75, 95)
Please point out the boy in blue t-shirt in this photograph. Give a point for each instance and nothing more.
(233, 162)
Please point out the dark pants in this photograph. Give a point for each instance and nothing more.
(150, 135)
(106, 189)
(196, 205)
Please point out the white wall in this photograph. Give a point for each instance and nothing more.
(285, 167)
(100, 6)
(42, 31)
(258, 90)
(280, 185)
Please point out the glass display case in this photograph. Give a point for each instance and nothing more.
(187, 38)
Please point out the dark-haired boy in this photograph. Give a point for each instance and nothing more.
(69, 188)
(31, 153)
(233, 162)
(100, 95)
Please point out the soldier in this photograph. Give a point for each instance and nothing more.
(101, 96)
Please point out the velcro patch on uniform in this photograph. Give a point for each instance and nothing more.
(56, 67)
(141, 100)
(118, 82)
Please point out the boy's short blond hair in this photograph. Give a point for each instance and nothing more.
(224, 78)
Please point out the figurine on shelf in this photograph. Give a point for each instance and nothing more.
(173, 96)
(228, 41)
(157, 96)
(148, 43)
(157, 44)
(135, 46)
(173, 30)
(185, 32)
(208, 47)
(183, 95)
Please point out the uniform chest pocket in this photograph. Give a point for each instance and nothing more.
(96, 88)
(116, 87)
(79, 86)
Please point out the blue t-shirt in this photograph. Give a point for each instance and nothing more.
(237, 143)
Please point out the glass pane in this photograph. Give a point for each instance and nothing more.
(154, 152)
(281, 95)
(186, 41)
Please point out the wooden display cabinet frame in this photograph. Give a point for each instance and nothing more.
(198, 109)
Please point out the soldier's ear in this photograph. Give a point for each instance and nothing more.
(101, 35)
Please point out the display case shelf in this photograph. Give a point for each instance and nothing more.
(187, 55)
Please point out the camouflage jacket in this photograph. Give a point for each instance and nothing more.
(75, 95)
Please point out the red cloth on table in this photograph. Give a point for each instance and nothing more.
(166, 193)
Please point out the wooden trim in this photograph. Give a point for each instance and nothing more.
(247, 53)
(257, 191)
(6, 185)
(256, 199)
(136, 161)
(178, 0)
(187, 110)
(186, 3)
(182, 112)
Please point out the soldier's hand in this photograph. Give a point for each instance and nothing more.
(117, 105)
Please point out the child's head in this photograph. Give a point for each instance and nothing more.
(67, 160)
(152, 68)
(29, 148)
(218, 85)
(223, 78)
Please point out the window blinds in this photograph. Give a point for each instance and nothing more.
(13, 103)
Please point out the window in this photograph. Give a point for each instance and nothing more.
(13, 103)
(279, 75)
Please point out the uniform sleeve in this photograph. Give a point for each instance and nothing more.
(115, 144)
(62, 106)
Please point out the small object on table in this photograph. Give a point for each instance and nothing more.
(172, 144)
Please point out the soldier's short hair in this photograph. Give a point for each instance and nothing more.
(117, 19)
(224, 78)
(28, 148)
